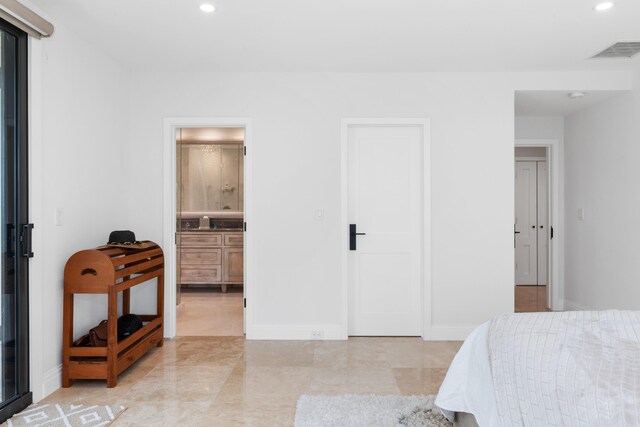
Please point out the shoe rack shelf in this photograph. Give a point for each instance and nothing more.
(111, 271)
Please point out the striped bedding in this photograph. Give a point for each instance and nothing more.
(579, 368)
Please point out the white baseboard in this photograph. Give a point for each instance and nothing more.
(336, 332)
(282, 332)
(574, 306)
(52, 381)
(558, 305)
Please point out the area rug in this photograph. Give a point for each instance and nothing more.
(65, 415)
(368, 410)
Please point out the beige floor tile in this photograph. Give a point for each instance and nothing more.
(332, 381)
(265, 384)
(366, 353)
(163, 413)
(331, 354)
(279, 353)
(227, 381)
(254, 414)
(412, 381)
(209, 312)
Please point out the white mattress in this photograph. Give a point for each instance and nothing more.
(468, 386)
(549, 369)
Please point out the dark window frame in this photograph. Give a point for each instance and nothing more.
(23, 396)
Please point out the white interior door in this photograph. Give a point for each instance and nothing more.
(543, 222)
(385, 202)
(526, 236)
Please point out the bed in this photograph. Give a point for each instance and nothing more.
(544, 369)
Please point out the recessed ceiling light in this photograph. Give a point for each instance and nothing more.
(605, 5)
(576, 95)
(208, 8)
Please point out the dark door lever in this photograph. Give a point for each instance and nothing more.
(352, 236)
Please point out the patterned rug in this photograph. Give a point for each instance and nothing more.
(65, 415)
(368, 410)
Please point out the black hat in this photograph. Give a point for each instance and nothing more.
(124, 239)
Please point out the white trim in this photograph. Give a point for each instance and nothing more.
(531, 159)
(36, 304)
(288, 332)
(52, 381)
(427, 332)
(556, 216)
(169, 212)
(574, 306)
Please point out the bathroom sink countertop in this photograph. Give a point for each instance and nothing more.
(209, 230)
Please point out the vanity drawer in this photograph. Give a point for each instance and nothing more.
(202, 257)
(200, 276)
(234, 239)
(200, 240)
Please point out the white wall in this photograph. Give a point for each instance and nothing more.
(106, 175)
(540, 127)
(603, 178)
(296, 124)
(79, 136)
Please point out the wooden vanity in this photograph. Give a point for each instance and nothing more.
(208, 257)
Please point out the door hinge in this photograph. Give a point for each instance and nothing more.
(245, 226)
(245, 150)
(245, 303)
(551, 237)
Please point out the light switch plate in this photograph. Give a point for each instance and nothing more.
(319, 214)
(581, 214)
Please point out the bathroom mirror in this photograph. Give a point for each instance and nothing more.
(210, 178)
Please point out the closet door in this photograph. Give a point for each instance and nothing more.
(543, 222)
(526, 236)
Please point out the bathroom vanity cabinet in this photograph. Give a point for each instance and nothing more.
(208, 257)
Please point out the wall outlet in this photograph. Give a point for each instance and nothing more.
(317, 335)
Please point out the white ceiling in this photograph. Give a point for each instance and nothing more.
(558, 103)
(352, 35)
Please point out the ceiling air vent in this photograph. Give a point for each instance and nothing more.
(620, 50)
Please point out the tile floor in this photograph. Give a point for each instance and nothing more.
(201, 380)
(227, 381)
(209, 312)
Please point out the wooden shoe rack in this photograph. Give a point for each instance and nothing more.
(111, 270)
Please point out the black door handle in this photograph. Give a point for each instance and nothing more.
(10, 236)
(26, 241)
(352, 236)
(516, 232)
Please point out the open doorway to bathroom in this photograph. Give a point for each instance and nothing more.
(209, 231)
(532, 228)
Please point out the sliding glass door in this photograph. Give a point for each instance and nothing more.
(15, 233)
